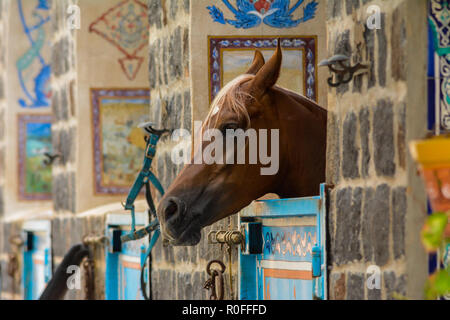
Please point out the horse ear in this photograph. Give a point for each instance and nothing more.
(258, 62)
(268, 75)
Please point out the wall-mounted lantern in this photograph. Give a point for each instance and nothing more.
(343, 73)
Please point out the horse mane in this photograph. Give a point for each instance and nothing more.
(231, 97)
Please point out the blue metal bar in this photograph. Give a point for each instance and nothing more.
(283, 208)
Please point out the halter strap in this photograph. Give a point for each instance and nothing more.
(145, 177)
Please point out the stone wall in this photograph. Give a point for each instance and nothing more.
(177, 272)
(378, 203)
(68, 228)
(64, 127)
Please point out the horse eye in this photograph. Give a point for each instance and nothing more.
(229, 126)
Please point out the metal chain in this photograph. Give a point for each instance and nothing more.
(13, 260)
(230, 265)
(230, 271)
(88, 266)
(91, 241)
(12, 268)
(230, 238)
(215, 282)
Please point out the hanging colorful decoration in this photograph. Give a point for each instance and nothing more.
(274, 13)
(439, 67)
(33, 71)
(125, 26)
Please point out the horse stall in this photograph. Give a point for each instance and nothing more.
(123, 260)
(284, 252)
(37, 258)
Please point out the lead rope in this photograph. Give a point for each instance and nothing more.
(230, 265)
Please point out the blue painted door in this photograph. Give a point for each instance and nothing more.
(123, 260)
(284, 255)
(37, 267)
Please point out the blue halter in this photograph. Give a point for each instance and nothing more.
(145, 177)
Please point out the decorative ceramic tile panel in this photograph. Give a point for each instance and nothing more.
(35, 178)
(126, 27)
(289, 243)
(439, 64)
(118, 142)
(231, 56)
(33, 68)
(274, 13)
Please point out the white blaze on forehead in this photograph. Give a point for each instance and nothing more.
(232, 95)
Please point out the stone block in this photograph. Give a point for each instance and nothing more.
(355, 286)
(399, 206)
(338, 288)
(383, 138)
(350, 149)
(382, 51)
(398, 44)
(364, 130)
(394, 283)
(376, 225)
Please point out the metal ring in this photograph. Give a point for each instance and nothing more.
(208, 267)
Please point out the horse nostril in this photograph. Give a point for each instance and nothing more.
(173, 212)
(171, 209)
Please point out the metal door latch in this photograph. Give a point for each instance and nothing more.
(228, 237)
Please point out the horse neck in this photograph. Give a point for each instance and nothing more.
(302, 145)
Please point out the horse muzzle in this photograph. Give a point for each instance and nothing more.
(178, 226)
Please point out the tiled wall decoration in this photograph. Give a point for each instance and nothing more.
(439, 65)
(231, 56)
(274, 13)
(33, 68)
(125, 26)
(118, 142)
(35, 178)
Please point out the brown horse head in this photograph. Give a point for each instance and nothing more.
(205, 192)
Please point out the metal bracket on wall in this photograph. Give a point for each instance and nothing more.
(50, 158)
(343, 72)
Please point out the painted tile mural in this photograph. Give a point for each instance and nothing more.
(274, 13)
(35, 178)
(33, 65)
(439, 65)
(231, 56)
(292, 245)
(289, 243)
(125, 26)
(118, 143)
